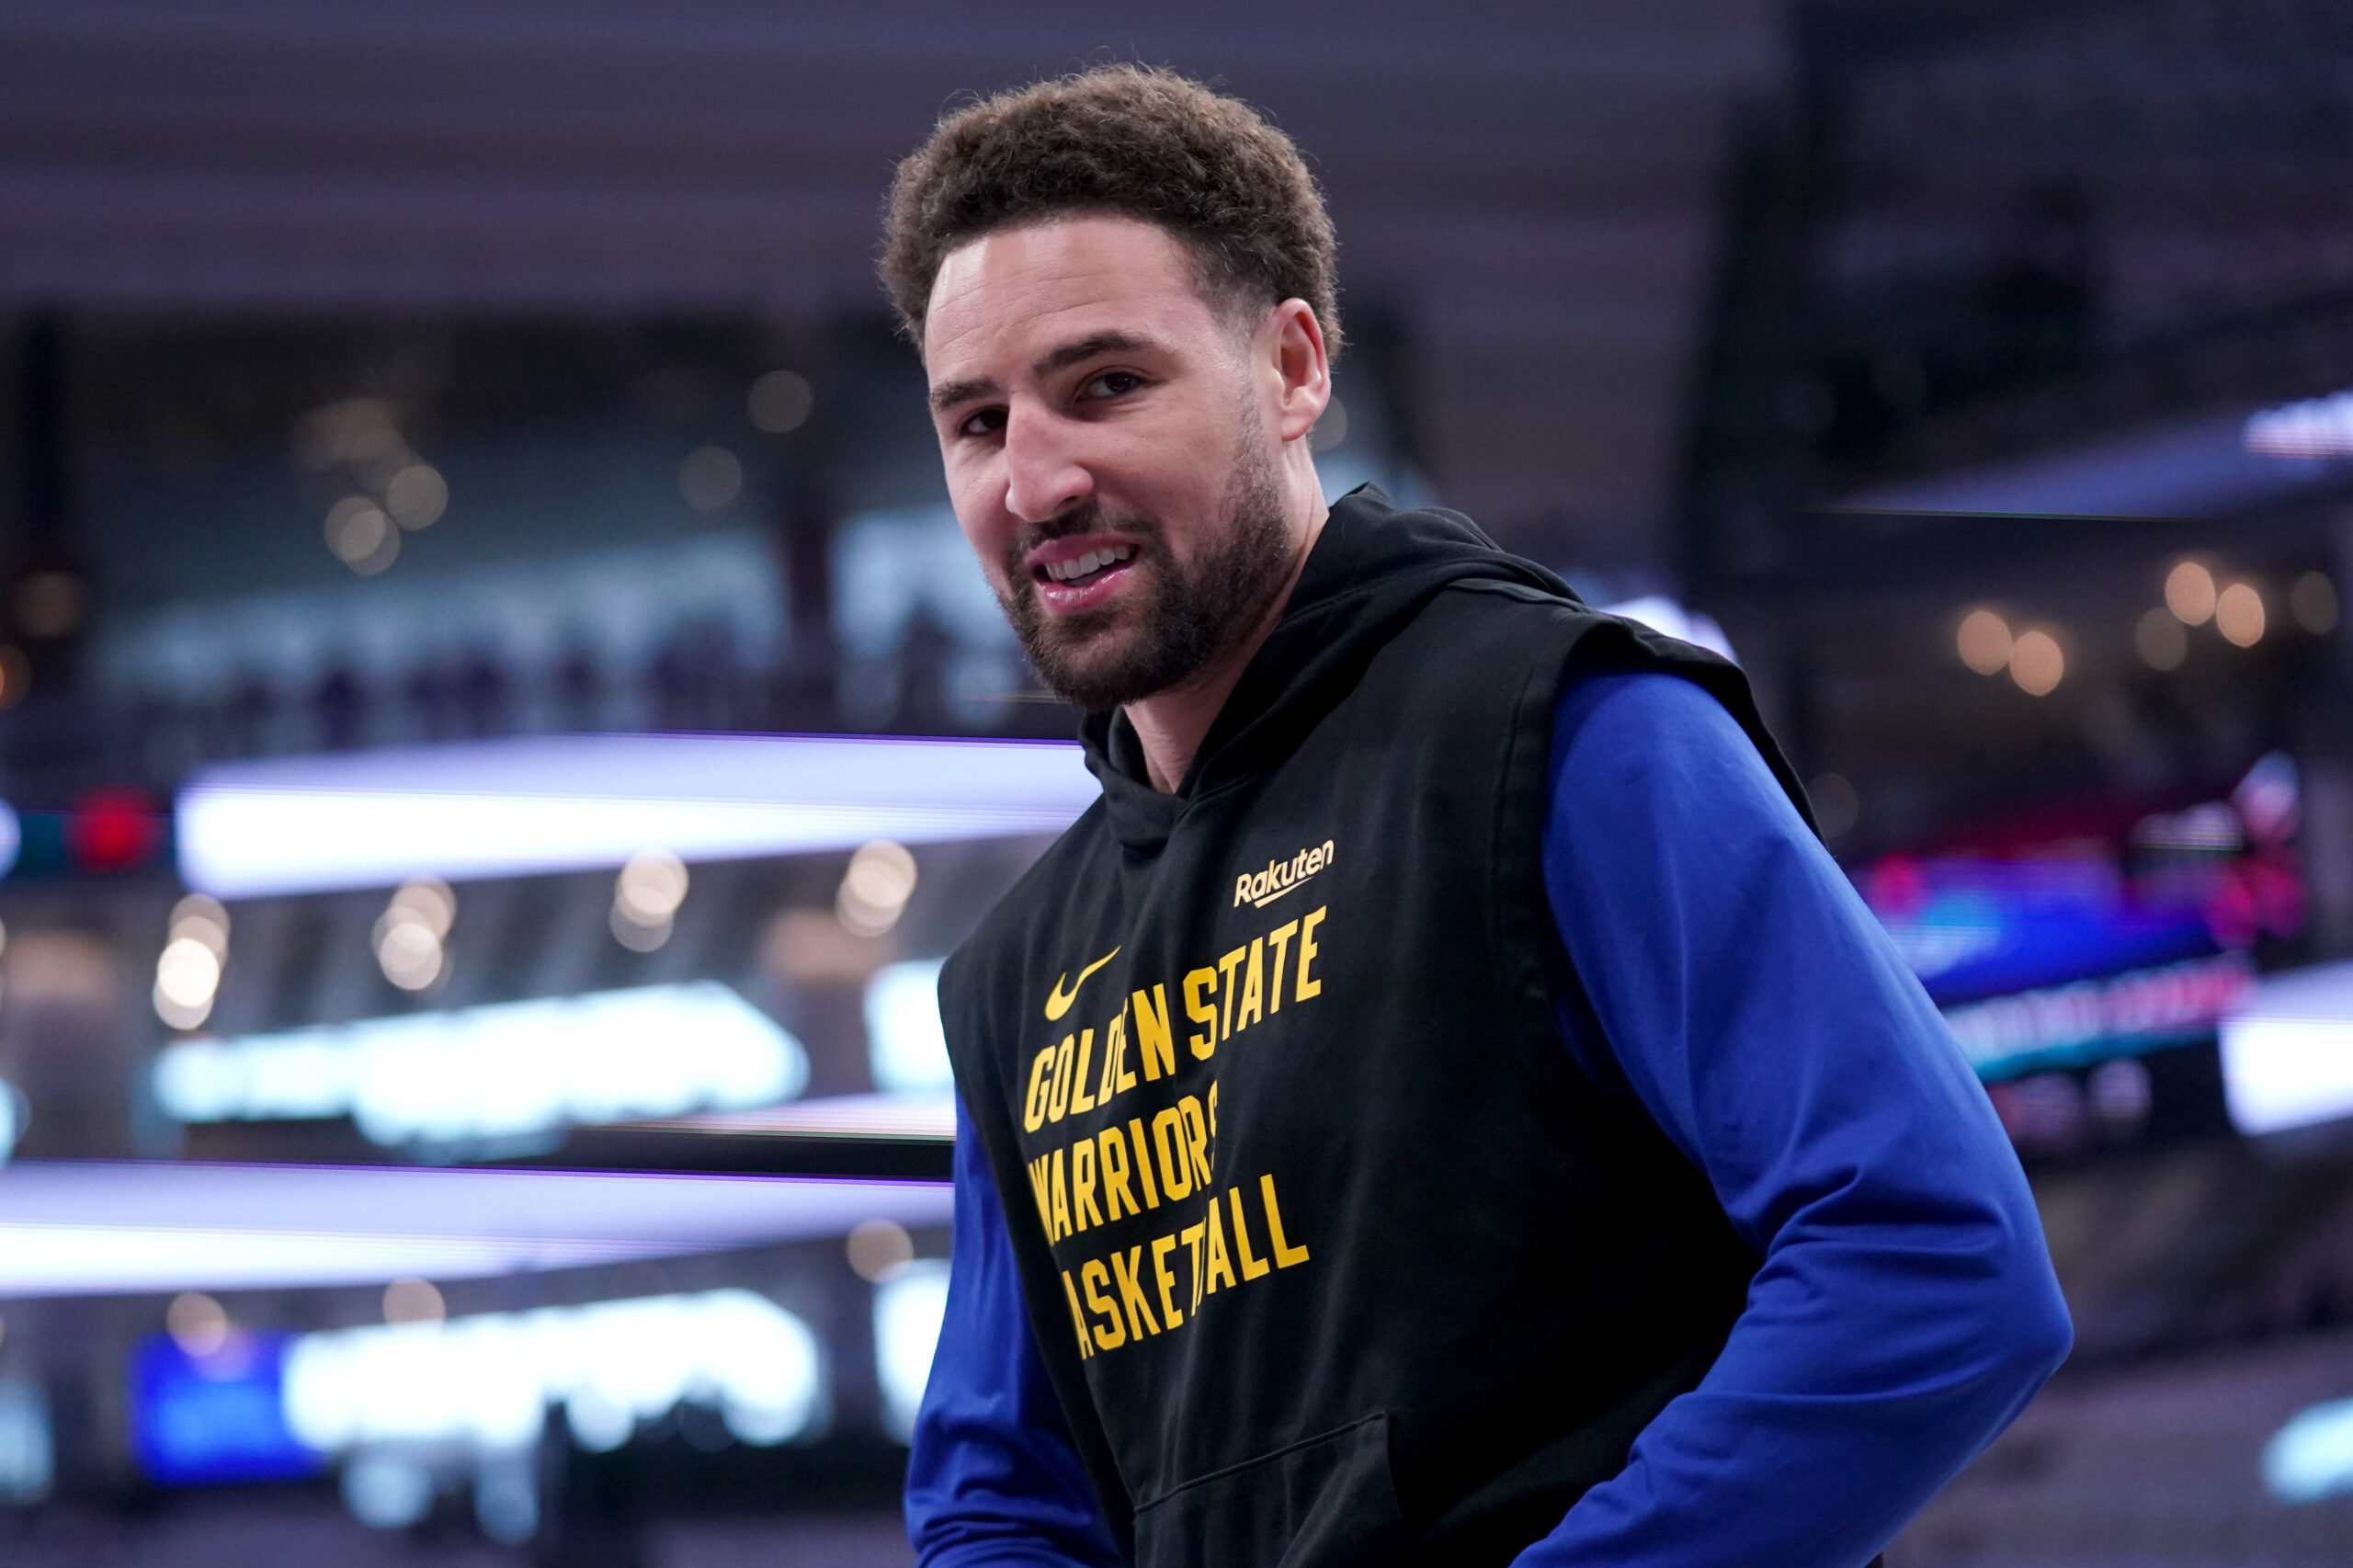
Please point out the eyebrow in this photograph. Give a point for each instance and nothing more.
(948, 394)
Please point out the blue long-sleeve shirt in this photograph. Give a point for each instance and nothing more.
(1905, 1308)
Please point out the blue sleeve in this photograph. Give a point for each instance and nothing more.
(1905, 1309)
(993, 1477)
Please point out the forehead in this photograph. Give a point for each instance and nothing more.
(1014, 292)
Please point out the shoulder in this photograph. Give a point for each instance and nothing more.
(1657, 749)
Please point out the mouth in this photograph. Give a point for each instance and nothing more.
(1073, 577)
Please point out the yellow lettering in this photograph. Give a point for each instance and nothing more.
(1168, 1143)
(1307, 956)
(1033, 1109)
(1191, 1236)
(1114, 1161)
(1253, 987)
(1212, 1108)
(1083, 1212)
(1115, 1057)
(1079, 1098)
(1110, 1334)
(1127, 1272)
(1285, 1254)
(1226, 966)
(1143, 1162)
(1038, 1177)
(1218, 1267)
(1059, 1226)
(1058, 1096)
(1252, 1267)
(1197, 1140)
(1203, 1046)
(1160, 1251)
(1154, 1042)
(1085, 1348)
(1281, 936)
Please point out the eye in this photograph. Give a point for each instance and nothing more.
(1111, 384)
(981, 423)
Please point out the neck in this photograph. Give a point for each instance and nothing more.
(1172, 724)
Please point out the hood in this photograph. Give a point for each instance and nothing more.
(1371, 571)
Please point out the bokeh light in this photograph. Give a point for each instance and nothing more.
(779, 402)
(710, 477)
(2238, 614)
(879, 1250)
(410, 934)
(2312, 600)
(876, 887)
(2190, 593)
(416, 496)
(2037, 662)
(2161, 639)
(1983, 641)
(414, 1300)
(362, 536)
(198, 1324)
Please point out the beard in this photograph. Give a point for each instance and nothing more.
(1177, 624)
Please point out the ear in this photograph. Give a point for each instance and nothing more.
(1293, 368)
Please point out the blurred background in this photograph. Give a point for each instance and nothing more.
(500, 726)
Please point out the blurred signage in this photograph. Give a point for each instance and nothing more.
(502, 1070)
(2089, 1020)
(485, 1382)
(2105, 947)
(217, 1416)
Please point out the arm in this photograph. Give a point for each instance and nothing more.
(993, 1478)
(1905, 1309)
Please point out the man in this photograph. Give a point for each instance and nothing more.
(1441, 1104)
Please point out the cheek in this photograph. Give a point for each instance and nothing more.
(985, 529)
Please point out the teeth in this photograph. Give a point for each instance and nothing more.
(1084, 565)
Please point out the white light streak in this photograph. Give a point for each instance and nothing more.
(498, 1071)
(515, 808)
(104, 1227)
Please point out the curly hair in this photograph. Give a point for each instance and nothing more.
(1119, 139)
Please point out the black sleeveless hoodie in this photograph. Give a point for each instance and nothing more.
(1334, 1254)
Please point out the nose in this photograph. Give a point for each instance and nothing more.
(1044, 475)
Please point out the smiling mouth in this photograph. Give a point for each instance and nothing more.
(1080, 570)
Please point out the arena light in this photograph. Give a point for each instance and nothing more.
(574, 803)
(2311, 1457)
(484, 1382)
(2315, 428)
(908, 1310)
(2288, 1052)
(905, 1044)
(505, 1070)
(104, 1227)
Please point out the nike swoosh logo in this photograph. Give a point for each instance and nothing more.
(1059, 1001)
